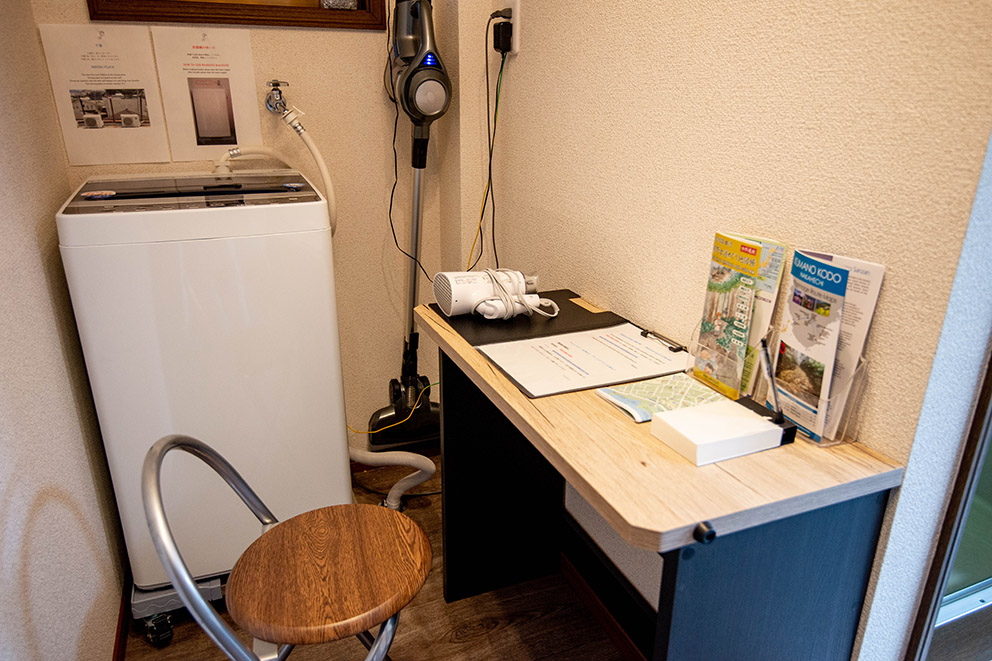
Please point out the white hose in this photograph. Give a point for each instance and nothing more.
(292, 119)
(222, 165)
(325, 177)
(425, 470)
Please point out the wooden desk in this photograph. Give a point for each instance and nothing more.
(796, 526)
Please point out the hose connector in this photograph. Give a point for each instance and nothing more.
(292, 119)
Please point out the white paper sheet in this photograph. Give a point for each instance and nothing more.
(588, 359)
(863, 286)
(106, 94)
(208, 87)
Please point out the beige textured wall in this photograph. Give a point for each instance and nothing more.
(335, 78)
(856, 128)
(462, 133)
(628, 137)
(59, 538)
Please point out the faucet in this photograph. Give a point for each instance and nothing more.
(274, 100)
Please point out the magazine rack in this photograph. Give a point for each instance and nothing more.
(847, 397)
(846, 400)
(717, 360)
(847, 427)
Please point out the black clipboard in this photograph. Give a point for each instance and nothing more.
(571, 318)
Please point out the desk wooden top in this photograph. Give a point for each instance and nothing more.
(651, 495)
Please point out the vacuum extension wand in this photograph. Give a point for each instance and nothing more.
(420, 86)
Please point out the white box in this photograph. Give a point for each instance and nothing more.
(715, 431)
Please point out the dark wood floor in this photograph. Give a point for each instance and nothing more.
(540, 619)
(965, 639)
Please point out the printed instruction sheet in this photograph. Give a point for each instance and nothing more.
(208, 84)
(106, 94)
(587, 359)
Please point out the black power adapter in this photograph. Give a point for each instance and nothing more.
(502, 36)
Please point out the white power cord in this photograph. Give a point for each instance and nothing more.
(506, 305)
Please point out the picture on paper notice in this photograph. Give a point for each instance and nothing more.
(799, 374)
(213, 111)
(109, 108)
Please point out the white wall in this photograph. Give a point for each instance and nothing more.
(629, 135)
(956, 374)
(60, 549)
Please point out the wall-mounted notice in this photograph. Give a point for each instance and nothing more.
(103, 79)
(208, 84)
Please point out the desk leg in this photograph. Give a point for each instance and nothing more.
(790, 589)
(501, 501)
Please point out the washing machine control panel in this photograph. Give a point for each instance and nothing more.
(198, 191)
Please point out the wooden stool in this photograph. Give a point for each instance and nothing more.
(328, 574)
(320, 576)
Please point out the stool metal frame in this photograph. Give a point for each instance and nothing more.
(165, 544)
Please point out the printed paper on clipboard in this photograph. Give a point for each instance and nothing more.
(588, 359)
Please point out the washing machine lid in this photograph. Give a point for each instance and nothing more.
(198, 191)
(150, 208)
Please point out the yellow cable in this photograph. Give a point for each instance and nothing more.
(401, 421)
(482, 215)
(482, 212)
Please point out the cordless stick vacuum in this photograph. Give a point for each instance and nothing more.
(421, 87)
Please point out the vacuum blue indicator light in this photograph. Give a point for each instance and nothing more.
(430, 60)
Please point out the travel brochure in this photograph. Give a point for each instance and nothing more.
(724, 329)
(827, 317)
(808, 344)
(830, 303)
(741, 292)
(770, 260)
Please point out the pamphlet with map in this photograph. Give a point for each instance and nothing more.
(807, 348)
(642, 399)
(766, 288)
(724, 329)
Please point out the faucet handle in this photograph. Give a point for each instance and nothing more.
(274, 100)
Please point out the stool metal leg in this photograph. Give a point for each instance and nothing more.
(378, 651)
(368, 640)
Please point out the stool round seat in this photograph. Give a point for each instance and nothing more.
(328, 574)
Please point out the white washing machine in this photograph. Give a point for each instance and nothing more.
(205, 306)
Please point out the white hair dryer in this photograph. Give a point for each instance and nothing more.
(493, 294)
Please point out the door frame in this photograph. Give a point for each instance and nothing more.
(970, 467)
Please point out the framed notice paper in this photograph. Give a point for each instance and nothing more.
(208, 84)
(103, 79)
